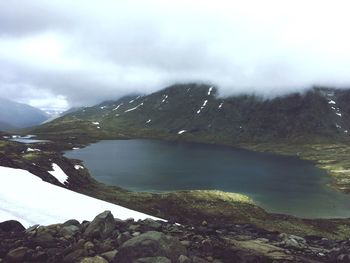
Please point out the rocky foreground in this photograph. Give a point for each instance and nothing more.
(107, 239)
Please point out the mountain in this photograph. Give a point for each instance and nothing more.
(15, 115)
(195, 112)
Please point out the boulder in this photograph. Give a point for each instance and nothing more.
(110, 255)
(101, 227)
(96, 259)
(150, 244)
(16, 255)
(152, 260)
(11, 226)
(69, 231)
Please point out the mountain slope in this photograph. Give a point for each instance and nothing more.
(17, 115)
(194, 111)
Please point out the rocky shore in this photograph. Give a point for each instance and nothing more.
(107, 239)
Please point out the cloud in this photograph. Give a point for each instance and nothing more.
(62, 52)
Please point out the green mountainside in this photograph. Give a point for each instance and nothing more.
(194, 112)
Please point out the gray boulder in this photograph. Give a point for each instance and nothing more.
(150, 244)
(152, 260)
(96, 259)
(101, 227)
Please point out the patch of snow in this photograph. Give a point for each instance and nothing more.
(165, 97)
(38, 202)
(333, 108)
(338, 126)
(95, 123)
(210, 90)
(134, 108)
(181, 132)
(58, 174)
(75, 148)
(78, 167)
(220, 106)
(118, 106)
(33, 150)
(117, 115)
(339, 114)
(148, 121)
(331, 102)
(131, 101)
(202, 107)
(103, 107)
(98, 127)
(346, 131)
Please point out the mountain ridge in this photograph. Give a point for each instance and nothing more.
(196, 110)
(14, 115)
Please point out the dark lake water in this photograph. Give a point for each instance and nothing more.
(277, 183)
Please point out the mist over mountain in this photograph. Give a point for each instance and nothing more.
(76, 54)
(15, 115)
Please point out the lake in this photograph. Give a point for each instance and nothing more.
(281, 184)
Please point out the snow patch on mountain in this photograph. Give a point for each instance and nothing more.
(58, 174)
(134, 108)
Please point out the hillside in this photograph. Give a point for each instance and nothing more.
(15, 115)
(194, 111)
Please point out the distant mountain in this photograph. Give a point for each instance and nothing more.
(15, 115)
(194, 112)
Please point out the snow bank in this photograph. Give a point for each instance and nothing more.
(58, 173)
(28, 199)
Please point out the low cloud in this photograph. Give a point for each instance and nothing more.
(72, 53)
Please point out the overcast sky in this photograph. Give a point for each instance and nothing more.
(63, 53)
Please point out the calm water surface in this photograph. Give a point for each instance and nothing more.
(277, 183)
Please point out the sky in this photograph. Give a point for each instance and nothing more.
(60, 53)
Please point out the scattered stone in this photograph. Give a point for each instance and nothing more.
(152, 260)
(150, 244)
(184, 259)
(110, 255)
(16, 255)
(96, 259)
(196, 259)
(69, 231)
(101, 227)
(152, 224)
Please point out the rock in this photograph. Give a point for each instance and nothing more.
(31, 229)
(101, 227)
(186, 243)
(44, 240)
(89, 245)
(39, 256)
(69, 231)
(152, 260)
(344, 258)
(134, 227)
(16, 255)
(152, 224)
(123, 237)
(150, 244)
(196, 259)
(74, 255)
(11, 226)
(71, 222)
(184, 259)
(96, 259)
(110, 255)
